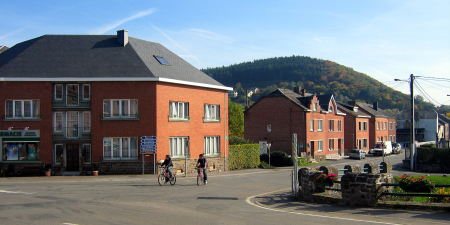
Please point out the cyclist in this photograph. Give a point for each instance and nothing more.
(202, 163)
(168, 164)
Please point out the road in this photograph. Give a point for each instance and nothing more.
(241, 197)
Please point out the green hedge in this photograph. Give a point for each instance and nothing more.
(243, 156)
(433, 155)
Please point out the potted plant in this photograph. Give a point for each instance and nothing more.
(326, 179)
(48, 169)
(419, 184)
(95, 169)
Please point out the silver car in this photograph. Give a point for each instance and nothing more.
(357, 154)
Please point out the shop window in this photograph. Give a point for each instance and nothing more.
(120, 108)
(177, 146)
(22, 109)
(178, 111)
(212, 113)
(20, 151)
(120, 148)
(212, 145)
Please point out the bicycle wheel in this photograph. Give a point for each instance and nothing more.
(161, 179)
(199, 180)
(173, 180)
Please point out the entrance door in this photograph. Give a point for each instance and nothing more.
(312, 149)
(73, 156)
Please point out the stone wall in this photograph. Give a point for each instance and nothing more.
(109, 168)
(364, 189)
(214, 165)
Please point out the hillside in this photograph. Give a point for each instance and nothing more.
(315, 75)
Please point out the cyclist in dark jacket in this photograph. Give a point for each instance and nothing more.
(168, 164)
(202, 163)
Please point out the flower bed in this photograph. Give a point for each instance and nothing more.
(418, 184)
(326, 178)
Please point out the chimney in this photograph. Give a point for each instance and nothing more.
(122, 37)
(297, 90)
(303, 93)
(375, 106)
(352, 103)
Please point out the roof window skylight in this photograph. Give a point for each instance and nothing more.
(161, 60)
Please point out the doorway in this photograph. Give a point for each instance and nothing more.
(73, 157)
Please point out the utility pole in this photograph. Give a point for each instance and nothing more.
(413, 125)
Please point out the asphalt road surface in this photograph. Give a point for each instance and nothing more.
(241, 197)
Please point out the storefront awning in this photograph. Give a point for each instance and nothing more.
(20, 139)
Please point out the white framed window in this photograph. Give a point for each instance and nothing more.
(316, 106)
(177, 146)
(365, 143)
(86, 91)
(120, 148)
(319, 125)
(378, 139)
(311, 125)
(339, 122)
(212, 113)
(72, 94)
(360, 126)
(212, 145)
(331, 144)
(378, 125)
(86, 153)
(22, 109)
(72, 124)
(58, 92)
(330, 108)
(86, 121)
(385, 138)
(179, 111)
(120, 108)
(330, 125)
(393, 138)
(320, 146)
(58, 153)
(384, 126)
(364, 126)
(58, 122)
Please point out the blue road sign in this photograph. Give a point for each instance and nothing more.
(148, 138)
(148, 143)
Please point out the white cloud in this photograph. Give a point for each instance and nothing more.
(384, 74)
(108, 27)
(209, 35)
(317, 39)
(12, 33)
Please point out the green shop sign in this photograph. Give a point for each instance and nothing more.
(19, 133)
(11, 133)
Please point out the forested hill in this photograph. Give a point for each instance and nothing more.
(316, 75)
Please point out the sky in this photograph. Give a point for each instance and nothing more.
(384, 39)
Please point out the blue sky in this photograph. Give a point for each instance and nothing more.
(383, 39)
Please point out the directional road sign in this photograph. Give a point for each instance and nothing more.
(148, 144)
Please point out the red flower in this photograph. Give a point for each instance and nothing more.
(423, 177)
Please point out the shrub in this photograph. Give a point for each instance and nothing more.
(419, 184)
(279, 159)
(243, 156)
(235, 140)
(433, 155)
(264, 165)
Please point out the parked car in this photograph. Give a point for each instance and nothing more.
(383, 148)
(396, 148)
(357, 154)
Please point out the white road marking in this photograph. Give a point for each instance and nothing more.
(16, 192)
(304, 214)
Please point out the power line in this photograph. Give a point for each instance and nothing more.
(424, 92)
(437, 85)
(434, 78)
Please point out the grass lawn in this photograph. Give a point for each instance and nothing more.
(434, 179)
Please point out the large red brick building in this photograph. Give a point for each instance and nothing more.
(91, 99)
(318, 122)
(356, 127)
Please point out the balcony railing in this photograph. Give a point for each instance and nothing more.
(72, 101)
(119, 116)
(60, 133)
(10, 117)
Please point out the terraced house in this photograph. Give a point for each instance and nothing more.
(316, 119)
(72, 100)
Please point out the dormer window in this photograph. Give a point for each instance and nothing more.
(161, 60)
(315, 106)
(330, 108)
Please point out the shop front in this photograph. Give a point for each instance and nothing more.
(20, 146)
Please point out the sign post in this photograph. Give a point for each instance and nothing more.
(148, 146)
(295, 161)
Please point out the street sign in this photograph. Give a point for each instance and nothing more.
(148, 144)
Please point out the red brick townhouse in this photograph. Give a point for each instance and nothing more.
(316, 120)
(356, 127)
(91, 98)
(382, 125)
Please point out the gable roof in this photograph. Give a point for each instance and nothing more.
(3, 48)
(376, 113)
(96, 58)
(351, 109)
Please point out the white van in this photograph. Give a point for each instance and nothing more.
(383, 148)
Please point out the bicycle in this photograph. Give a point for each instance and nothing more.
(163, 177)
(200, 177)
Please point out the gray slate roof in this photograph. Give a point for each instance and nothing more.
(350, 109)
(83, 56)
(377, 113)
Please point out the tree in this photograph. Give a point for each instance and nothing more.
(235, 120)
